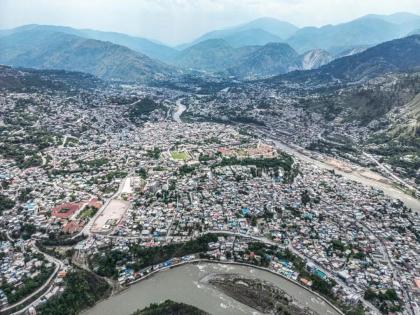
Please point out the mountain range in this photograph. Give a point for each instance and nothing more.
(368, 30)
(48, 49)
(271, 59)
(219, 56)
(147, 47)
(258, 49)
(399, 55)
(258, 32)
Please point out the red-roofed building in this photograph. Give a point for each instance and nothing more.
(227, 151)
(95, 203)
(65, 210)
(72, 227)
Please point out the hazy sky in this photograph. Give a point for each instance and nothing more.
(177, 21)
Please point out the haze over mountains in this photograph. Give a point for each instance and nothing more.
(142, 45)
(368, 30)
(258, 32)
(399, 55)
(46, 49)
(258, 49)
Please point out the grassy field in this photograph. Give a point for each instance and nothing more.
(241, 152)
(87, 212)
(179, 155)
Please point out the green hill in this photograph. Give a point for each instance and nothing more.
(43, 49)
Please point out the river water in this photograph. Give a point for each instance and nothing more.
(179, 110)
(389, 190)
(185, 284)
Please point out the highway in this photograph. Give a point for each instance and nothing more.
(44, 288)
(355, 174)
(390, 173)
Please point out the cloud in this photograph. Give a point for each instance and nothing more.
(176, 21)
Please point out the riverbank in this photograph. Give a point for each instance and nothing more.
(357, 174)
(260, 295)
(170, 308)
(179, 110)
(165, 283)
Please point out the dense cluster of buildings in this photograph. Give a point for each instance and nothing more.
(174, 186)
(20, 266)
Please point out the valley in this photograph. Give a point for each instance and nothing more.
(262, 168)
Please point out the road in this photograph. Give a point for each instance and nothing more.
(395, 272)
(88, 226)
(256, 238)
(44, 288)
(64, 141)
(372, 308)
(43, 158)
(389, 172)
(179, 110)
(355, 174)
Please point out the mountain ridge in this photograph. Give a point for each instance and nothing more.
(279, 29)
(271, 59)
(142, 45)
(56, 50)
(397, 55)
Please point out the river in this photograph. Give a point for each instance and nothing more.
(179, 110)
(185, 284)
(389, 190)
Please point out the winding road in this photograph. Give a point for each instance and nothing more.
(44, 289)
